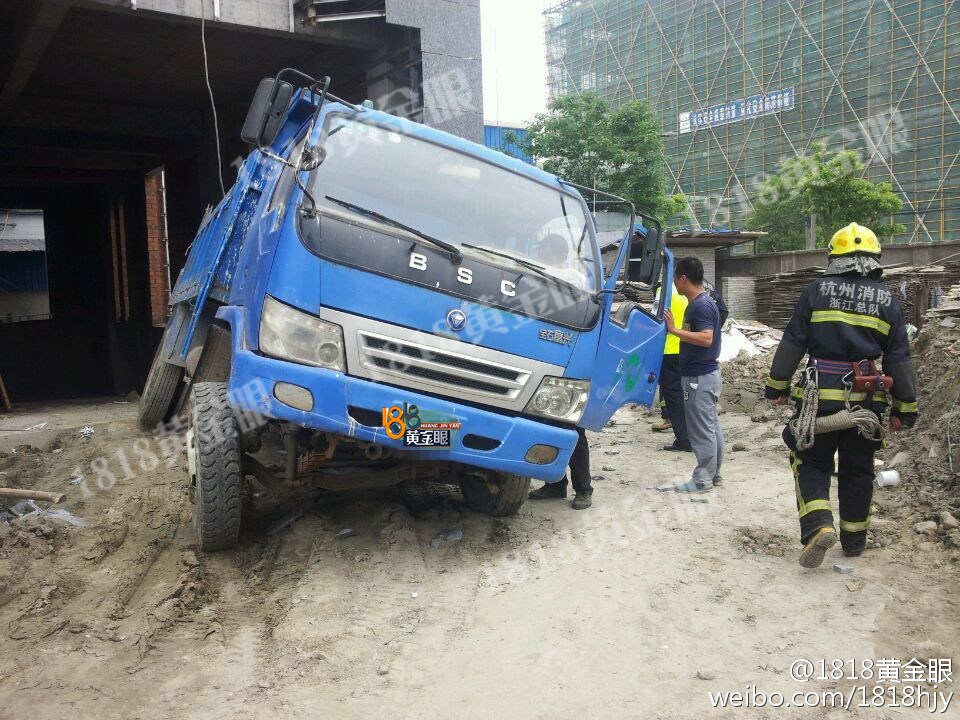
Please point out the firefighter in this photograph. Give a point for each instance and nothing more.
(844, 321)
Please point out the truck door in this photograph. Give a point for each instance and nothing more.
(630, 350)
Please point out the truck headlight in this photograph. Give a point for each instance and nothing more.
(560, 399)
(292, 335)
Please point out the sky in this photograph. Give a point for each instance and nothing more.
(514, 69)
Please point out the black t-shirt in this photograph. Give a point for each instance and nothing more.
(701, 314)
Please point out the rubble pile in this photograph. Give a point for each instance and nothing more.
(763, 337)
(743, 381)
(919, 288)
(928, 456)
(745, 373)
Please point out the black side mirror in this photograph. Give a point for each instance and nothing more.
(266, 113)
(646, 257)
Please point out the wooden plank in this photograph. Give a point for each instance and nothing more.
(4, 397)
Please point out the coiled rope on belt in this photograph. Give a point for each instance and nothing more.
(806, 426)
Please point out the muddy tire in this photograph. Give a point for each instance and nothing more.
(502, 494)
(213, 447)
(159, 392)
(418, 495)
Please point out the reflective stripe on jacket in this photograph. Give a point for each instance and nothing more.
(847, 318)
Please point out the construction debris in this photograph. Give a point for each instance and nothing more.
(918, 287)
(745, 336)
(764, 337)
(21, 509)
(31, 494)
(928, 456)
(28, 508)
(735, 342)
(947, 308)
(745, 371)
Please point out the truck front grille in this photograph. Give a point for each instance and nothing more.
(421, 366)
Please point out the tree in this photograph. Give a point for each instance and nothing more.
(585, 140)
(827, 185)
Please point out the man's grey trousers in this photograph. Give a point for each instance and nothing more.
(701, 395)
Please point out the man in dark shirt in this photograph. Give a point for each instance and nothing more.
(700, 370)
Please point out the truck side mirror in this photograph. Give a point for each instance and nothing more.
(265, 116)
(646, 257)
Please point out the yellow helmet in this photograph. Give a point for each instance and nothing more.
(854, 239)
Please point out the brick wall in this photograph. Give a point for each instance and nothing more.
(157, 249)
(738, 294)
(707, 255)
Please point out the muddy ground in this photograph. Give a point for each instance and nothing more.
(363, 608)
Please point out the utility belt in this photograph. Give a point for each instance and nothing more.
(859, 376)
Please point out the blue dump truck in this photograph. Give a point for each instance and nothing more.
(377, 302)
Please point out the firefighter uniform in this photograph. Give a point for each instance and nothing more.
(843, 318)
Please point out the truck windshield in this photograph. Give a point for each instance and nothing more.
(457, 199)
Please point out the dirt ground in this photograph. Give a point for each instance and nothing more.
(362, 608)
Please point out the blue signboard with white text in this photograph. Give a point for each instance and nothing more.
(737, 110)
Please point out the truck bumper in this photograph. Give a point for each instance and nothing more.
(343, 405)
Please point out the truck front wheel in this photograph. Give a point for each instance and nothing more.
(498, 494)
(213, 454)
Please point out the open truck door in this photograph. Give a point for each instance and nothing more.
(630, 351)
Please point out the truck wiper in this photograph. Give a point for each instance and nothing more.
(538, 269)
(452, 249)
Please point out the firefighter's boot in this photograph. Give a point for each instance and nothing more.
(813, 552)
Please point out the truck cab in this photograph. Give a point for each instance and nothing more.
(375, 302)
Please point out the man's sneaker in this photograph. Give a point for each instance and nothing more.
(812, 554)
(677, 447)
(583, 500)
(691, 487)
(662, 426)
(718, 480)
(550, 491)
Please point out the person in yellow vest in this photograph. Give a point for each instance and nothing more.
(671, 387)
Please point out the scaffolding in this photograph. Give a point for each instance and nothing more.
(742, 85)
